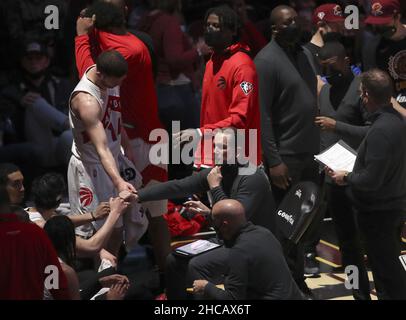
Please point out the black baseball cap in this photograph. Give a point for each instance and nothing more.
(33, 47)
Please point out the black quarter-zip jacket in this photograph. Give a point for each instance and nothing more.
(378, 180)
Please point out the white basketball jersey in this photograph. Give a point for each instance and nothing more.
(109, 101)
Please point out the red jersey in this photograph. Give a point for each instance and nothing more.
(230, 96)
(25, 252)
(138, 96)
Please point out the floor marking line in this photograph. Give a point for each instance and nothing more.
(330, 244)
(331, 264)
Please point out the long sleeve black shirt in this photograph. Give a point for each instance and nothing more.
(288, 103)
(253, 191)
(351, 119)
(256, 269)
(378, 180)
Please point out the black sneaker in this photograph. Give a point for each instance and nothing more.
(311, 265)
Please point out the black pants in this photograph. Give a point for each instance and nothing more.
(182, 271)
(301, 168)
(382, 232)
(348, 234)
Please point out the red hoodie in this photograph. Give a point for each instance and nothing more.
(230, 96)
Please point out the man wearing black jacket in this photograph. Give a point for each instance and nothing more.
(288, 105)
(255, 267)
(377, 185)
(342, 117)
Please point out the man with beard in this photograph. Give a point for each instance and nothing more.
(390, 54)
(287, 94)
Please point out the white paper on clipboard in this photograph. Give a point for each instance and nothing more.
(338, 157)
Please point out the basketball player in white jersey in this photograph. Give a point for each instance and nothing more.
(94, 168)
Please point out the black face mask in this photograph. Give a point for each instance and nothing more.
(335, 78)
(289, 35)
(214, 39)
(229, 169)
(386, 32)
(332, 37)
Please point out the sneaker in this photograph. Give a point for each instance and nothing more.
(311, 265)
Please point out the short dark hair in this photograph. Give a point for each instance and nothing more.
(228, 19)
(332, 49)
(112, 64)
(378, 84)
(61, 232)
(46, 190)
(107, 14)
(6, 169)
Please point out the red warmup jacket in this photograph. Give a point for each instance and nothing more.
(230, 97)
(138, 96)
(25, 252)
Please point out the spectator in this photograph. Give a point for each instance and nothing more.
(36, 103)
(328, 23)
(385, 20)
(377, 185)
(47, 192)
(61, 232)
(26, 255)
(13, 180)
(26, 18)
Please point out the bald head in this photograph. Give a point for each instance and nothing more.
(228, 218)
(229, 209)
(280, 14)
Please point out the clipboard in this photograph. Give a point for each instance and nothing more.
(338, 157)
(196, 247)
